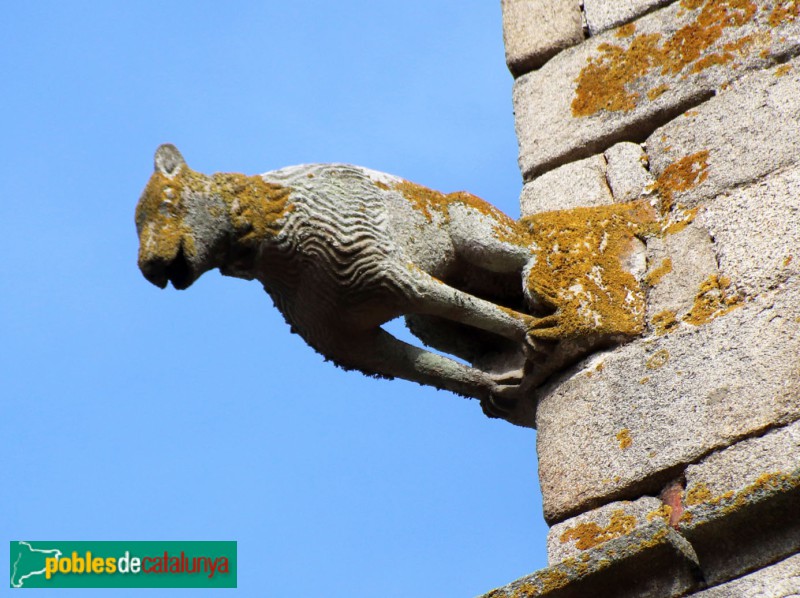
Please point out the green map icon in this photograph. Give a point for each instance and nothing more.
(28, 562)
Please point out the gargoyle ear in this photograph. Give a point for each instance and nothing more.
(168, 159)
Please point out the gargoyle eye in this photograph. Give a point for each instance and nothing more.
(166, 207)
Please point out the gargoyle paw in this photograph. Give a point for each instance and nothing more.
(541, 337)
(502, 400)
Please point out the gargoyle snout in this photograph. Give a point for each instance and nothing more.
(160, 271)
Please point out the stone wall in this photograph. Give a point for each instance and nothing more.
(670, 465)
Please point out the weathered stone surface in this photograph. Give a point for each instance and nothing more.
(677, 266)
(653, 560)
(577, 184)
(756, 231)
(781, 580)
(742, 504)
(620, 424)
(624, 83)
(602, 15)
(535, 30)
(596, 527)
(741, 466)
(748, 130)
(626, 172)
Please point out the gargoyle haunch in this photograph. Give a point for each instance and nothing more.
(342, 250)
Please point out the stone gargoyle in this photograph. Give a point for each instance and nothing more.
(341, 250)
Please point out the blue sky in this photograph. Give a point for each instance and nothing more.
(135, 413)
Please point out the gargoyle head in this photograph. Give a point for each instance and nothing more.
(182, 225)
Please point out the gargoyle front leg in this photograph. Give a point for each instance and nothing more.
(376, 352)
(436, 298)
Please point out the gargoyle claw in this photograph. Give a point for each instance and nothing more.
(498, 407)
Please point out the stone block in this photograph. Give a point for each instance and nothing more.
(742, 504)
(577, 184)
(626, 171)
(535, 30)
(781, 580)
(653, 560)
(596, 527)
(747, 131)
(756, 231)
(602, 15)
(624, 83)
(623, 422)
(678, 264)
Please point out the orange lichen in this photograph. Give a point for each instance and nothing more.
(680, 176)
(714, 298)
(657, 360)
(787, 260)
(607, 80)
(652, 94)
(579, 267)
(430, 202)
(664, 322)
(656, 274)
(784, 11)
(161, 207)
(783, 70)
(664, 513)
(698, 493)
(626, 30)
(590, 534)
(679, 219)
(256, 206)
(624, 438)
(601, 84)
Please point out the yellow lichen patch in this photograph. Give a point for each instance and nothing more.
(624, 438)
(678, 219)
(714, 298)
(552, 579)
(605, 82)
(644, 380)
(656, 274)
(787, 260)
(698, 493)
(626, 30)
(256, 206)
(160, 215)
(664, 322)
(588, 535)
(783, 70)
(680, 176)
(664, 512)
(734, 500)
(580, 267)
(601, 84)
(783, 12)
(657, 360)
(652, 94)
(429, 202)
